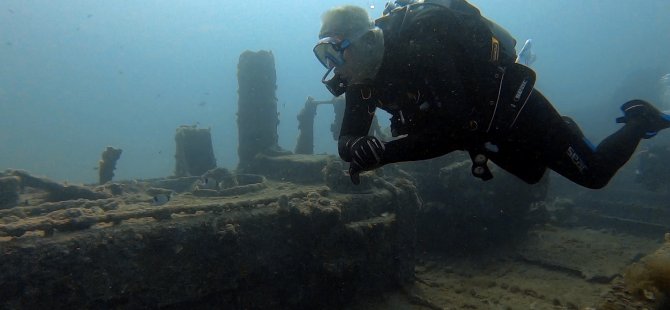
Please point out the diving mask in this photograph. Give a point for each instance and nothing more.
(330, 51)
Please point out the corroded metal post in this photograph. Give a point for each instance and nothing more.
(107, 164)
(257, 117)
(9, 191)
(194, 154)
(305, 143)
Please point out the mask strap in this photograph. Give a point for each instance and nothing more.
(335, 85)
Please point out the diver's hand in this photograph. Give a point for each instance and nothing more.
(366, 154)
(354, 171)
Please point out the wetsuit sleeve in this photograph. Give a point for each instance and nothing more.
(416, 147)
(358, 114)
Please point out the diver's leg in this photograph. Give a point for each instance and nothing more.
(514, 157)
(574, 157)
(570, 154)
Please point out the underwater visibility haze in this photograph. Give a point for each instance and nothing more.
(186, 223)
(76, 76)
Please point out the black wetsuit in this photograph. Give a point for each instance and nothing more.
(437, 80)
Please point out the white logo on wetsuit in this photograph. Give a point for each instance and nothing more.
(579, 163)
(519, 91)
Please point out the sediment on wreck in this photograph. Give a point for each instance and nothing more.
(281, 246)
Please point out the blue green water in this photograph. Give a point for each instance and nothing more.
(76, 76)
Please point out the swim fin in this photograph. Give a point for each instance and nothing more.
(645, 115)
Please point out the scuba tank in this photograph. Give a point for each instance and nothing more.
(498, 110)
(503, 43)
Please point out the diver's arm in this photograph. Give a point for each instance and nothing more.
(432, 47)
(358, 113)
(416, 147)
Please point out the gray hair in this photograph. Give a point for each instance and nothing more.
(348, 21)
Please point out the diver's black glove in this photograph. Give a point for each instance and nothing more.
(366, 154)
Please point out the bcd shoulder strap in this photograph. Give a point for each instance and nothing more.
(515, 87)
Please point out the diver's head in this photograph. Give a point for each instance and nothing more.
(350, 44)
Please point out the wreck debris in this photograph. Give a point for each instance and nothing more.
(246, 183)
(304, 169)
(55, 190)
(107, 164)
(257, 116)
(352, 241)
(305, 144)
(194, 154)
(48, 207)
(648, 280)
(179, 184)
(9, 191)
(223, 177)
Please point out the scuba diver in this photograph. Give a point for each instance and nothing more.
(450, 81)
